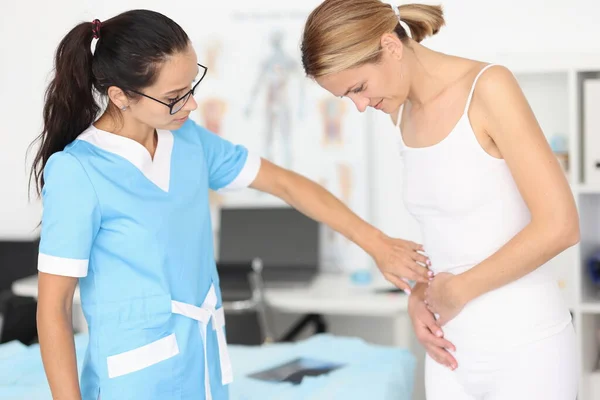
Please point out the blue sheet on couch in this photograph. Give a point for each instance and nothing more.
(371, 372)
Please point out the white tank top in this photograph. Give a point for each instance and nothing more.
(468, 206)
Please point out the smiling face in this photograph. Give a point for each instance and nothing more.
(382, 85)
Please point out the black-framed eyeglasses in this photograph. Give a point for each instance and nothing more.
(176, 105)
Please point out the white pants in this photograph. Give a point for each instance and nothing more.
(545, 370)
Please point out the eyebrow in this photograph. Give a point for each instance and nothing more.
(179, 90)
(175, 91)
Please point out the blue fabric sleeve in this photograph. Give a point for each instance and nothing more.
(70, 219)
(230, 166)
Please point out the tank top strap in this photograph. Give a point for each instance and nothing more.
(399, 116)
(473, 86)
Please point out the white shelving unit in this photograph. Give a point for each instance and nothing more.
(554, 87)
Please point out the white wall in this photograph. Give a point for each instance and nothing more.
(475, 28)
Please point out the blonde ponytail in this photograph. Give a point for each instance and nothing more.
(344, 34)
(422, 20)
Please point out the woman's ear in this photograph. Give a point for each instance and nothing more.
(393, 45)
(118, 97)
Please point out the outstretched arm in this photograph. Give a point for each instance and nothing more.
(397, 259)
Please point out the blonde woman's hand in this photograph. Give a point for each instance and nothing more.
(430, 334)
(443, 297)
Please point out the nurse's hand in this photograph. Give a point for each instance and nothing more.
(400, 261)
(443, 297)
(429, 333)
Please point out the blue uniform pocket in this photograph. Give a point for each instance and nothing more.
(139, 350)
(137, 313)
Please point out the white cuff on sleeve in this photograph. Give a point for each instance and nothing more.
(62, 266)
(247, 174)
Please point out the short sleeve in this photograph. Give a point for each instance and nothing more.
(70, 217)
(230, 166)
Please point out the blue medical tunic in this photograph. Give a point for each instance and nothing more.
(137, 232)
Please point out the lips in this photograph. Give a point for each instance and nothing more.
(378, 105)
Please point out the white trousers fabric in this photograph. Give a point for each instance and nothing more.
(545, 369)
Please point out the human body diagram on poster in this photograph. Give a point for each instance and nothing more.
(275, 74)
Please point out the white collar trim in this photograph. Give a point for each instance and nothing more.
(158, 171)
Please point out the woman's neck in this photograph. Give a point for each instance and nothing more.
(431, 72)
(131, 129)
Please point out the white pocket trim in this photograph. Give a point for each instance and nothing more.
(142, 357)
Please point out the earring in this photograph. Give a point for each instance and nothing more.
(123, 108)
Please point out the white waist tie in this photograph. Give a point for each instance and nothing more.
(203, 315)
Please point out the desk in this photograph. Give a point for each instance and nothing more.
(350, 309)
(334, 294)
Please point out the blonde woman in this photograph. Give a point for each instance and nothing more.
(490, 197)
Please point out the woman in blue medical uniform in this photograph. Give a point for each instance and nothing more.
(126, 214)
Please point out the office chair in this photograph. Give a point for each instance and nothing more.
(18, 259)
(18, 319)
(247, 317)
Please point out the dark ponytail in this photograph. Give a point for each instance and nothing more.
(69, 106)
(128, 54)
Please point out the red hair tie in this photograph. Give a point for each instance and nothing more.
(96, 25)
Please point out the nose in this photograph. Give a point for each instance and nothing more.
(361, 103)
(191, 104)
